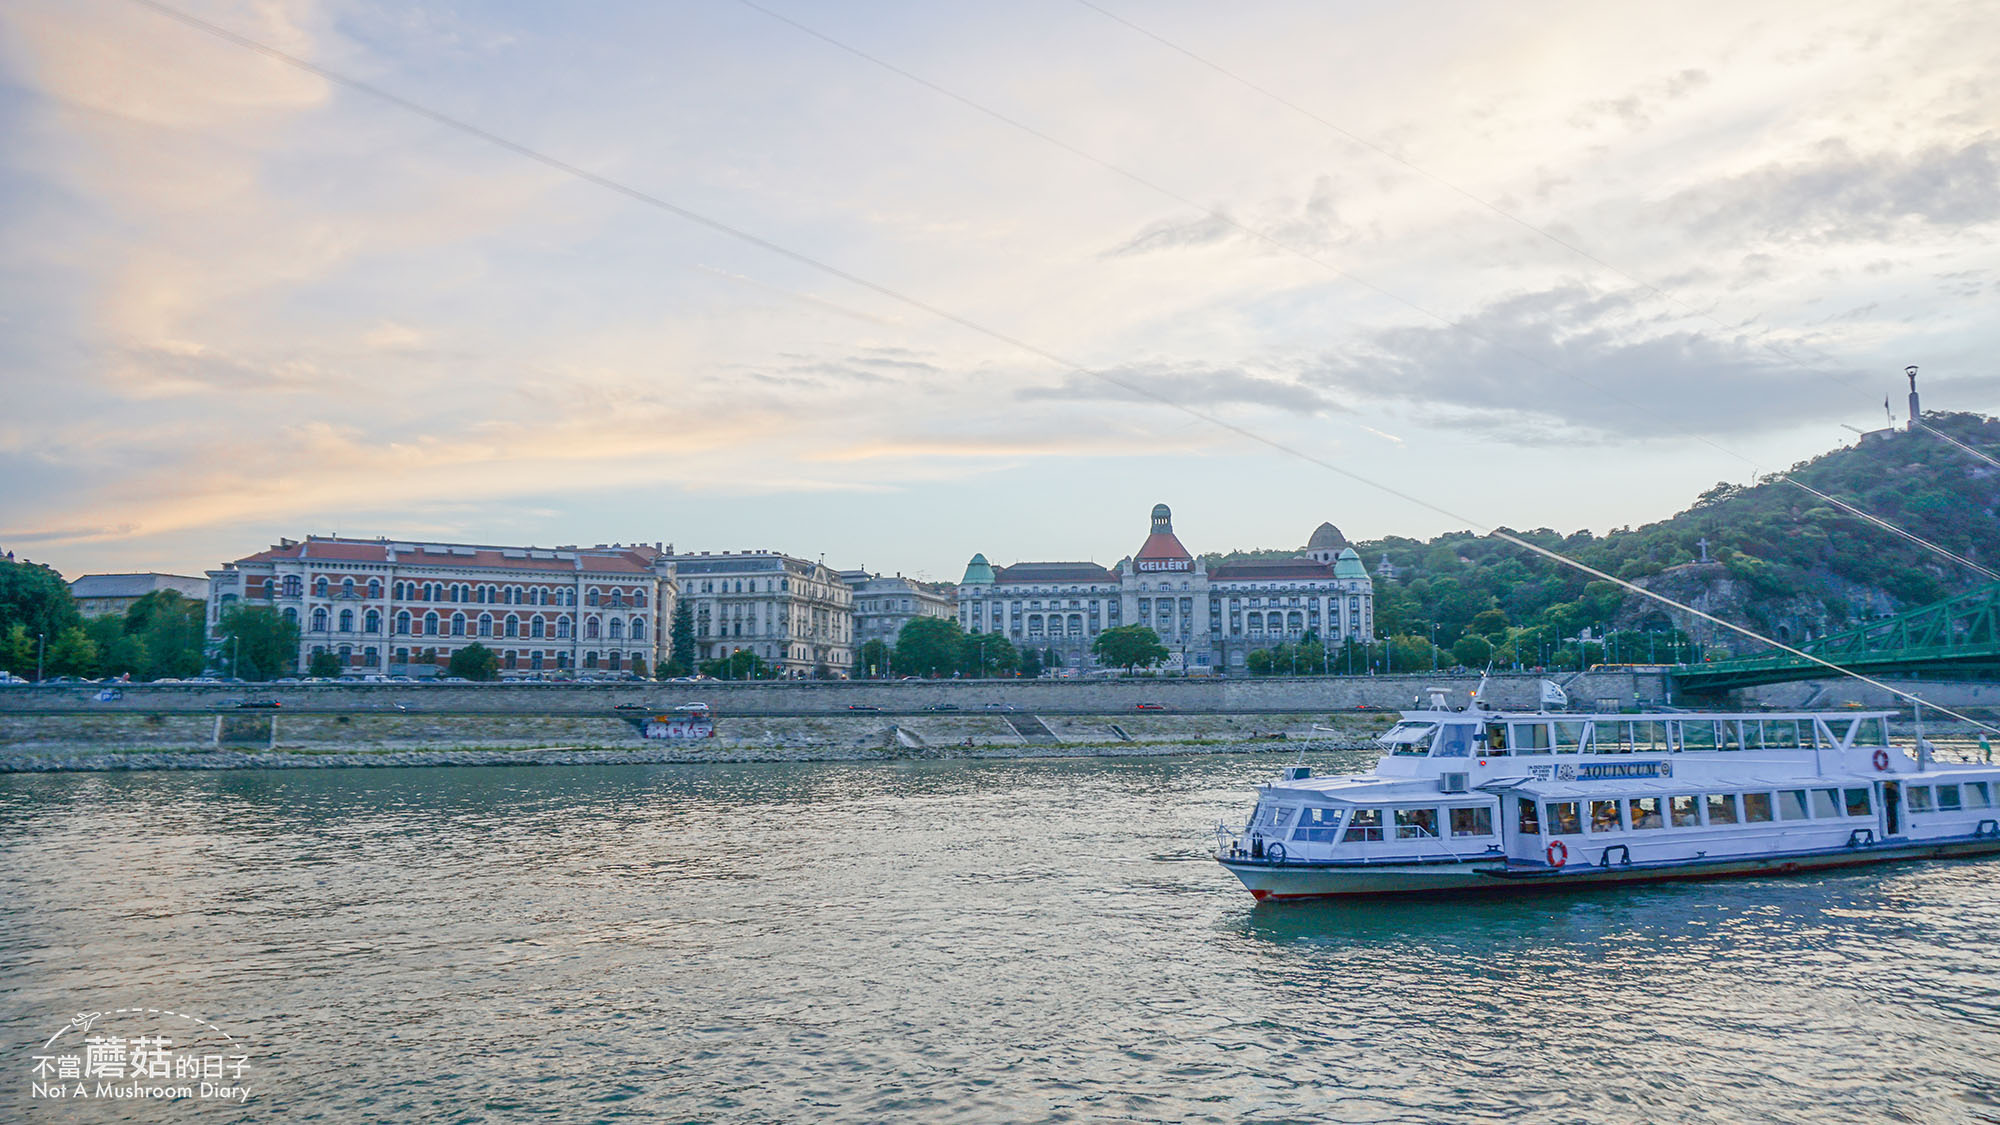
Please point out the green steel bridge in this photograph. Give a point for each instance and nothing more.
(1958, 638)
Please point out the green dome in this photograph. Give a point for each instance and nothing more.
(978, 572)
(1348, 565)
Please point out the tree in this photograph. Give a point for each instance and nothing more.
(35, 596)
(1129, 647)
(72, 653)
(258, 641)
(639, 665)
(478, 663)
(680, 639)
(324, 665)
(172, 630)
(987, 654)
(17, 650)
(872, 660)
(119, 653)
(928, 646)
(739, 665)
(1031, 663)
(1472, 650)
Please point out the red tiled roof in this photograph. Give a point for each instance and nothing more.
(1162, 545)
(615, 560)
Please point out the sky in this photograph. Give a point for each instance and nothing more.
(888, 284)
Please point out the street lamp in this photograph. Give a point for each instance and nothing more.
(41, 650)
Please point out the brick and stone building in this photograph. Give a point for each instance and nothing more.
(402, 607)
(108, 595)
(794, 614)
(1209, 620)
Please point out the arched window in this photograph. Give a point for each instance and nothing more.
(431, 624)
(513, 625)
(347, 621)
(292, 585)
(346, 655)
(371, 657)
(569, 596)
(403, 623)
(590, 596)
(485, 624)
(590, 660)
(615, 629)
(319, 620)
(319, 586)
(458, 624)
(511, 658)
(347, 587)
(535, 626)
(374, 587)
(430, 593)
(372, 623)
(616, 659)
(639, 597)
(590, 628)
(291, 615)
(638, 627)
(563, 626)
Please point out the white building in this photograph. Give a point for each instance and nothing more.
(1208, 620)
(796, 615)
(403, 607)
(883, 604)
(106, 595)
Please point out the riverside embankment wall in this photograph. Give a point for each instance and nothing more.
(1074, 697)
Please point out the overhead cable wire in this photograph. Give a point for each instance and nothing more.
(1005, 338)
(1956, 442)
(1281, 244)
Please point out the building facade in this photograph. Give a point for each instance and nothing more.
(794, 614)
(107, 595)
(1209, 620)
(402, 607)
(883, 604)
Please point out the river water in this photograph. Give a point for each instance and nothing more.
(938, 941)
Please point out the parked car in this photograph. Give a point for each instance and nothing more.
(634, 707)
(942, 707)
(1149, 707)
(862, 707)
(1000, 707)
(259, 705)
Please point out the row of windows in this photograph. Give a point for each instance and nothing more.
(1640, 814)
(1950, 798)
(511, 626)
(291, 586)
(1658, 736)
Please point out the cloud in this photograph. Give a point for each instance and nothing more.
(1568, 364)
(1836, 193)
(1185, 385)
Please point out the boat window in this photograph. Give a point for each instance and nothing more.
(1686, 812)
(1722, 808)
(1531, 738)
(1528, 822)
(1612, 738)
(1412, 739)
(1872, 732)
(1565, 818)
(1569, 737)
(1920, 798)
(1978, 795)
(1753, 734)
(1697, 735)
(1781, 734)
(1273, 816)
(1825, 803)
(1947, 798)
(1725, 735)
(1839, 729)
(1472, 822)
(1416, 824)
(1604, 816)
(1756, 808)
(1857, 803)
(1364, 825)
(1645, 812)
(1318, 824)
(1456, 742)
(1496, 739)
(1792, 804)
(1648, 737)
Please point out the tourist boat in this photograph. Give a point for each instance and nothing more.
(1485, 800)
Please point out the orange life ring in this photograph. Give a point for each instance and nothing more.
(1881, 759)
(1558, 853)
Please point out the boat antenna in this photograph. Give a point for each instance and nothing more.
(1923, 747)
